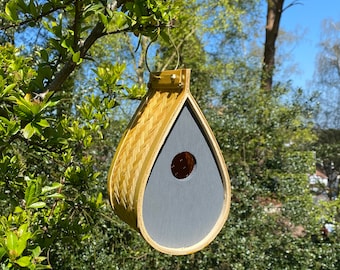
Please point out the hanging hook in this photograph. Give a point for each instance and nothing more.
(176, 48)
(172, 43)
(146, 53)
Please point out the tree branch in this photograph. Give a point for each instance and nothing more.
(274, 12)
(292, 4)
(76, 24)
(69, 66)
(97, 32)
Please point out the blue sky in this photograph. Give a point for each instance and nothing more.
(307, 18)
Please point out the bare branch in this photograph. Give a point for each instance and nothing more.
(294, 3)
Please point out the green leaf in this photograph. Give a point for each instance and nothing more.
(36, 252)
(5, 120)
(37, 205)
(50, 188)
(21, 4)
(12, 240)
(44, 55)
(99, 200)
(28, 131)
(22, 229)
(2, 252)
(18, 210)
(10, 10)
(65, 44)
(24, 105)
(56, 196)
(11, 127)
(43, 123)
(44, 72)
(103, 18)
(93, 8)
(33, 191)
(8, 89)
(32, 8)
(165, 37)
(50, 103)
(24, 261)
(22, 244)
(120, 19)
(76, 57)
(40, 259)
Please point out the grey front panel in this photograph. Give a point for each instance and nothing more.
(181, 212)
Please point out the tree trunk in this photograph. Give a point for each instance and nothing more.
(274, 12)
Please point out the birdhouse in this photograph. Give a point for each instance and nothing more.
(168, 179)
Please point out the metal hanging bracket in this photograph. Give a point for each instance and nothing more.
(169, 79)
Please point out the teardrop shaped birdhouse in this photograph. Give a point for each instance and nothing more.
(168, 178)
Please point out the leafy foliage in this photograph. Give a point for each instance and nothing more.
(66, 97)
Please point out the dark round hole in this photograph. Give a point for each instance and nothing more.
(182, 165)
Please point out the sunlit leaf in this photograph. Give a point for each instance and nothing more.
(43, 123)
(37, 205)
(28, 131)
(56, 196)
(11, 11)
(24, 261)
(22, 229)
(7, 89)
(11, 240)
(51, 188)
(36, 252)
(2, 252)
(76, 57)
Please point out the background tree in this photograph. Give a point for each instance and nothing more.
(56, 147)
(327, 76)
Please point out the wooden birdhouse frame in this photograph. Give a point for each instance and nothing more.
(140, 146)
